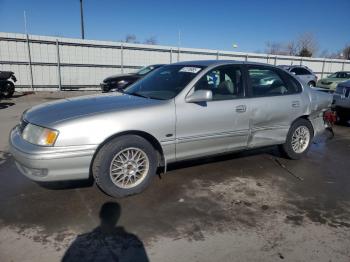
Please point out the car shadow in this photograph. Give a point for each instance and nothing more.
(4, 105)
(4, 157)
(59, 185)
(344, 123)
(271, 150)
(17, 95)
(107, 242)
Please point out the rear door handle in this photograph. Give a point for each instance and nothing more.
(296, 104)
(241, 108)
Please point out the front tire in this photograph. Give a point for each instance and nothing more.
(299, 139)
(125, 166)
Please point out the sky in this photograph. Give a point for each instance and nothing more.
(203, 24)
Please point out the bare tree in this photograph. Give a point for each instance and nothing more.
(346, 52)
(326, 54)
(131, 38)
(151, 40)
(291, 48)
(307, 44)
(274, 48)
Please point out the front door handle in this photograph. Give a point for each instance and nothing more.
(241, 108)
(296, 104)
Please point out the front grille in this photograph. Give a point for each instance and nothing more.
(22, 125)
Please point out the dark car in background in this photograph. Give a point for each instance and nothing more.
(122, 81)
(341, 101)
(7, 86)
(303, 73)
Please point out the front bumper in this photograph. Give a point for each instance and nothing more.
(50, 163)
(330, 87)
(105, 87)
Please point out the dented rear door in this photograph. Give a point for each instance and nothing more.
(273, 105)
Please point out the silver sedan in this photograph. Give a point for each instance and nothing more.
(180, 111)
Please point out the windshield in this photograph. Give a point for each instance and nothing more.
(165, 82)
(145, 70)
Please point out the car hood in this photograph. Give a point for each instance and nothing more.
(49, 114)
(334, 80)
(121, 77)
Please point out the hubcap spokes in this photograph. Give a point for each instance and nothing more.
(129, 167)
(300, 139)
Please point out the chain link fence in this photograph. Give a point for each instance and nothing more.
(56, 63)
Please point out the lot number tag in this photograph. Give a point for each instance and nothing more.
(190, 69)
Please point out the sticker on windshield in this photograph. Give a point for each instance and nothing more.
(190, 69)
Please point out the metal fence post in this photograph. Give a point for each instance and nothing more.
(178, 54)
(171, 55)
(122, 58)
(58, 66)
(301, 61)
(275, 63)
(343, 66)
(217, 55)
(246, 57)
(323, 65)
(30, 64)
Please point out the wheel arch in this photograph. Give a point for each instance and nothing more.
(312, 81)
(305, 117)
(150, 138)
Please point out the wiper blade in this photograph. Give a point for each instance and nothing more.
(136, 94)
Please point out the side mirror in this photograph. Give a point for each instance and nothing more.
(200, 96)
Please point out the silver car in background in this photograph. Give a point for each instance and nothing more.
(180, 111)
(303, 73)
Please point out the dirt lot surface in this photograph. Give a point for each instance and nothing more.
(251, 206)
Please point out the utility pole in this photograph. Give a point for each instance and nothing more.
(82, 19)
(28, 49)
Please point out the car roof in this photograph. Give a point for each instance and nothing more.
(207, 63)
(293, 66)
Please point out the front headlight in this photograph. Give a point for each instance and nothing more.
(122, 82)
(39, 135)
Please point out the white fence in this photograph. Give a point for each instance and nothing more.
(46, 62)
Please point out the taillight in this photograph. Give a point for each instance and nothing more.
(330, 117)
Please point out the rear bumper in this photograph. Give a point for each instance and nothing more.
(50, 163)
(105, 87)
(341, 101)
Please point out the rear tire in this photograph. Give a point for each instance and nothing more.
(311, 84)
(125, 166)
(299, 139)
(9, 90)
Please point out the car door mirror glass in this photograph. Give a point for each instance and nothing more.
(200, 96)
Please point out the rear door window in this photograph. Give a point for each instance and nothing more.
(266, 81)
(300, 71)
